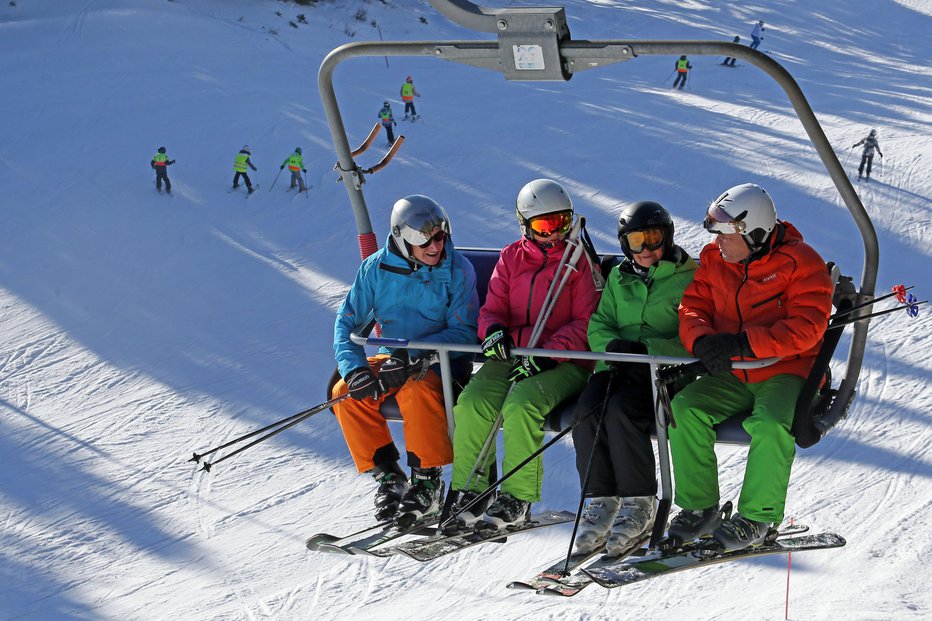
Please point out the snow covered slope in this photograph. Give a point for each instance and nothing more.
(136, 328)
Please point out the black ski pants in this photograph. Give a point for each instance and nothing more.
(866, 159)
(680, 80)
(162, 175)
(245, 179)
(623, 456)
(390, 131)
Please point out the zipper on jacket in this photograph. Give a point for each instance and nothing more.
(744, 279)
(770, 299)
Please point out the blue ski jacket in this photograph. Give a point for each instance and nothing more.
(409, 301)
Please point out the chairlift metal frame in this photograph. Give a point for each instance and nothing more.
(534, 44)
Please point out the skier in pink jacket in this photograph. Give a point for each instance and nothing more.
(523, 388)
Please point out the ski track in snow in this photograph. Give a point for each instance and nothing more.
(135, 329)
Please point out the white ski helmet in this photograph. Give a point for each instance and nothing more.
(413, 221)
(746, 209)
(540, 197)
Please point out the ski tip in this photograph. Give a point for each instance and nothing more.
(315, 541)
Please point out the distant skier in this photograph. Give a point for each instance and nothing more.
(295, 163)
(408, 93)
(729, 61)
(756, 37)
(388, 121)
(867, 155)
(240, 164)
(682, 70)
(160, 164)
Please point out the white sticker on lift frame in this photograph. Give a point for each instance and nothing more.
(529, 57)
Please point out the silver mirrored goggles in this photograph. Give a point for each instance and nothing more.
(720, 222)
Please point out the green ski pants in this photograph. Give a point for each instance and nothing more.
(710, 400)
(523, 410)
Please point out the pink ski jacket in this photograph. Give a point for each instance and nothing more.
(516, 294)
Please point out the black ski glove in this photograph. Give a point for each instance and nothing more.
(362, 383)
(282, 167)
(716, 350)
(173, 161)
(394, 372)
(498, 343)
(304, 170)
(621, 346)
(529, 366)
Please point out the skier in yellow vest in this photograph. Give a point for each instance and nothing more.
(682, 69)
(408, 93)
(295, 163)
(160, 164)
(240, 164)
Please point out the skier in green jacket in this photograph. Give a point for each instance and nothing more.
(637, 314)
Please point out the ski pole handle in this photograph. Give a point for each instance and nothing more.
(677, 372)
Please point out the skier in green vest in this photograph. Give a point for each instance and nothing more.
(160, 164)
(295, 163)
(240, 164)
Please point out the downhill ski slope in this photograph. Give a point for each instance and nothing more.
(136, 328)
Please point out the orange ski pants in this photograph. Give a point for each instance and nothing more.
(425, 421)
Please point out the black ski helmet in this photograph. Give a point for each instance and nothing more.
(645, 215)
(683, 57)
(297, 150)
(161, 149)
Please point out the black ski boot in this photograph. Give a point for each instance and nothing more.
(423, 498)
(464, 521)
(738, 533)
(506, 512)
(689, 525)
(392, 487)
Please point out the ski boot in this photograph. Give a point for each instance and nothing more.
(738, 533)
(505, 513)
(596, 524)
(689, 525)
(392, 487)
(463, 521)
(423, 498)
(634, 520)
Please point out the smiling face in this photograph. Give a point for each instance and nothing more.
(646, 257)
(732, 247)
(431, 252)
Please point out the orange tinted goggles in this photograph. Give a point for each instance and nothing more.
(650, 239)
(551, 223)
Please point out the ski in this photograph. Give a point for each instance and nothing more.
(361, 542)
(658, 564)
(568, 586)
(440, 545)
(554, 574)
(315, 541)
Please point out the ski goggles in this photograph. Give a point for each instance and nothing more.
(438, 237)
(645, 239)
(720, 222)
(550, 224)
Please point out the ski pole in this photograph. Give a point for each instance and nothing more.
(306, 186)
(585, 485)
(276, 178)
(283, 424)
(668, 77)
